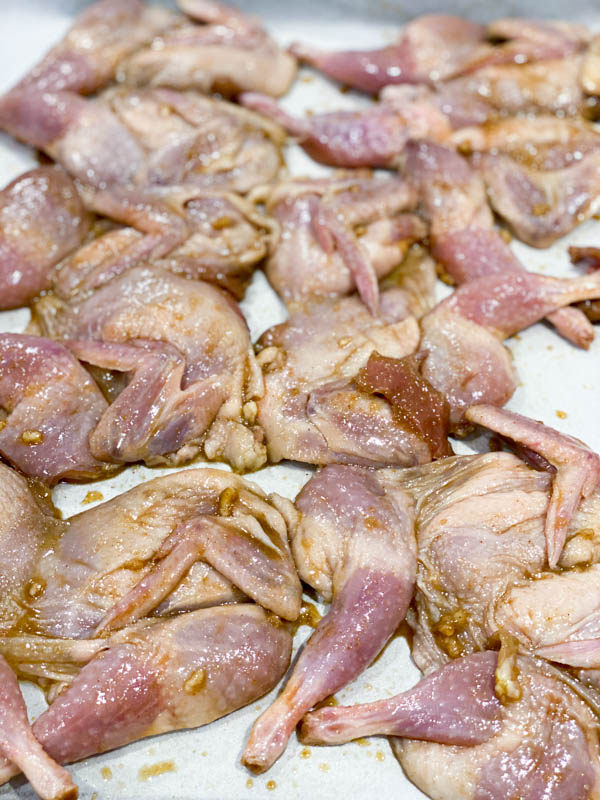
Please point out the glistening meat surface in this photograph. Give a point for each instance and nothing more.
(545, 748)
(88, 55)
(355, 546)
(161, 676)
(27, 525)
(338, 234)
(189, 540)
(229, 53)
(434, 48)
(483, 565)
(51, 407)
(455, 705)
(185, 348)
(463, 238)
(507, 551)
(146, 137)
(430, 48)
(19, 745)
(313, 408)
(42, 219)
(209, 235)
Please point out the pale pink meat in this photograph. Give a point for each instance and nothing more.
(546, 748)
(157, 137)
(90, 579)
(435, 48)
(375, 137)
(577, 467)
(463, 335)
(541, 173)
(27, 525)
(52, 405)
(19, 745)
(472, 102)
(161, 676)
(42, 219)
(266, 575)
(210, 235)
(480, 531)
(463, 237)
(429, 49)
(483, 563)
(185, 350)
(228, 54)
(88, 55)
(355, 546)
(339, 234)
(455, 705)
(312, 409)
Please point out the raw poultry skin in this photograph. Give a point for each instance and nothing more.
(463, 334)
(28, 524)
(491, 92)
(415, 403)
(482, 568)
(316, 409)
(434, 48)
(430, 48)
(62, 579)
(483, 557)
(466, 360)
(355, 545)
(148, 45)
(541, 174)
(88, 55)
(42, 219)
(202, 234)
(313, 410)
(546, 748)
(417, 101)
(146, 137)
(337, 235)
(463, 238)
(47, 110)
(374, 137)
(51, 406)
(456, 741)
(456, 704)
(229, 53)
(480, 527)
(164, 675)
(576, 466)
(91, 574)
(19, 745)
(192, 370)
(174, 360)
